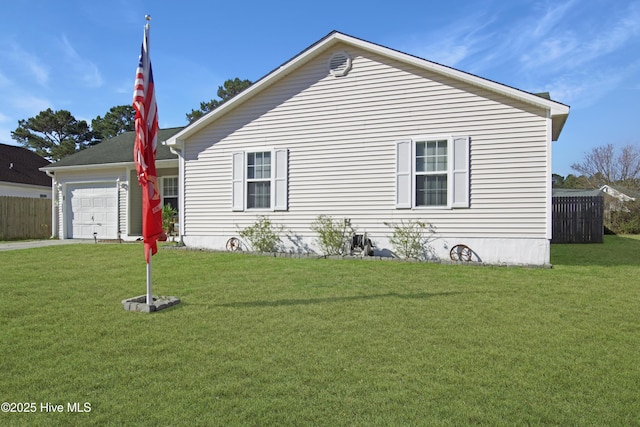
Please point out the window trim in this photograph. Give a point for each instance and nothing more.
(458, 172)
(445, 172)
(278, 198)
(254, 180)
(163, 189)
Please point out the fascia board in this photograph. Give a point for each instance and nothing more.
(159, 163)
(555, 108)
(252, 90)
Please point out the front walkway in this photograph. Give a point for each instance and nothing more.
(9, 246)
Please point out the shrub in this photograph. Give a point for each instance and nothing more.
(626, 220)
(168, 215)
(262, 235)
(332, 234)
(411, 239)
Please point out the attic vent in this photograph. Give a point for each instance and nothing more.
(340, 64)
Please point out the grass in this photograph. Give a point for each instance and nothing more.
(275, 341)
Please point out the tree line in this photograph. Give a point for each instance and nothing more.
(605, 165)
(614, 166)
(57, 134)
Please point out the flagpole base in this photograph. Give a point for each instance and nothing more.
(139, 303)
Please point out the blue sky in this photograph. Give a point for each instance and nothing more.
(81, 56)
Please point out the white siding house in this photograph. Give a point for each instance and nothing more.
(96, 189)
(355, 130)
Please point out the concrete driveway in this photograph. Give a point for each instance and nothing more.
(10, 246)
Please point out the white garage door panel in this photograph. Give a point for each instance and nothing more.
(93, 210)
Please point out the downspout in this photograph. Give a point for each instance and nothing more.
(118, 209)
(54, 204)
(178, 150)
(549, 210)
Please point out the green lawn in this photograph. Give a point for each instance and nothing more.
(277, 341)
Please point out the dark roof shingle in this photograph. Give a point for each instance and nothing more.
(21, 166)
(118, 149)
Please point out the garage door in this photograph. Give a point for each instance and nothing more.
(92, 208)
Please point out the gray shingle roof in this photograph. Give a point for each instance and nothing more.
(118, 149)
(21, 166)
(573, 192)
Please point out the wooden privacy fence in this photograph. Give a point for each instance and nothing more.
(578, 219)
(24, 218)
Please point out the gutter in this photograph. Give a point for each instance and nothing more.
(164, 162)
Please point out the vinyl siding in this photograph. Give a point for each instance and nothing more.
(341, 134)
(129, 194)
(93, 176)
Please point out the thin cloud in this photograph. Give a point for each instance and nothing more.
(454, 44)
(550, 19)
(5, 136)
(588, 86)
(30, 104)
(546, 49)
(572, 50)
(4, 81)
(83, 68)
(16, 57)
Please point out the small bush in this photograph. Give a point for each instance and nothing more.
(168, 215)
(626, 220)
(411, 239)
(332, 234)
(262, 235)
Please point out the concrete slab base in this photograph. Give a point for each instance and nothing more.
(140, 303)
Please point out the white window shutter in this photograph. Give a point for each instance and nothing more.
(237, 185)
(460, 172)
(403, 174)
(280, 180)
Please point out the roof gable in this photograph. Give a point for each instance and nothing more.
(22, 166)
(118, 149)
(558, 112)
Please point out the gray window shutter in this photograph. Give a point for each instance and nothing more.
(237, 185)
(460, 172)
(403, 174)
(280, 180)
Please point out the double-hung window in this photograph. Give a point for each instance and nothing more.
(260, 180)
(170, 191)
(432, 172)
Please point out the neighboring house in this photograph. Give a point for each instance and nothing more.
(20, 174)
(97, 191)
(356, 130)
(615, 199)
(620, 194)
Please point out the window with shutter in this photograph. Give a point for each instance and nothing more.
(260, 180)
(432, 172)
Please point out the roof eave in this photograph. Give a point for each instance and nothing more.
(555, 108)
(557, 124)
(257, 87)
(161, 163)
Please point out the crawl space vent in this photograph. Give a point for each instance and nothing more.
(340, 64)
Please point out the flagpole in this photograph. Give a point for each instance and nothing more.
(149, 297)
(144, 154)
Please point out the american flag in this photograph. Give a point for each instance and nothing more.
(144, 150)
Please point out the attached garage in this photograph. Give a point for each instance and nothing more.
(96, 189)
(92, 208)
